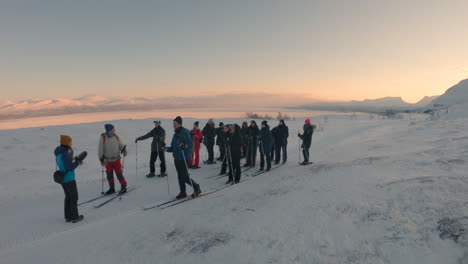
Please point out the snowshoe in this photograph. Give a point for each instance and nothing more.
(151, 175)
(181, 195)
(110, 191)
(80, 218)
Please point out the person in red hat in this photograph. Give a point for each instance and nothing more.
(306, 138)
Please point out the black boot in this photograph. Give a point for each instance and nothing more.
(111, 189)
(80, 218)
(162, 175)
(150, 175)
(181, 195)
(229, 181)
(123, 189)
(196, 190)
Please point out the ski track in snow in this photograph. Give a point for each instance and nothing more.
(375, 194)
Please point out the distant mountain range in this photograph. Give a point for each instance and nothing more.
(93, 103)
(371, 105)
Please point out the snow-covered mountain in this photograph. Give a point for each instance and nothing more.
(94, 103)
(453, 103)
(371, 105)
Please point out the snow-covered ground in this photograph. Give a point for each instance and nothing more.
(375, 194)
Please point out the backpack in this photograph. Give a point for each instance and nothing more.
(103, 135)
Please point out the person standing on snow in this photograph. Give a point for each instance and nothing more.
(233, 143)
(252, 140)
(110, 148)
(67, 164)
(196, 139)
(181, 146)
(220, 141)
(245, 138)
(280, 137)
(157, 148)
(274, 132)
(209, 134)
(306, 138)
(265, 142)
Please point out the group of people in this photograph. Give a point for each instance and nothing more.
(234, 143)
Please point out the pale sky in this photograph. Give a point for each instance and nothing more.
(330, 49)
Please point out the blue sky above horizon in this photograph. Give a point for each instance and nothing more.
(331, 50)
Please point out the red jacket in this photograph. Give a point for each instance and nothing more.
(196, 137)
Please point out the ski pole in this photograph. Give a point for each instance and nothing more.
(136, 163)
(167, 177)
(102, 180)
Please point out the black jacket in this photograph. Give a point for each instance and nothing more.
(280, 134)
(307, 136)
(234, 141)
(159, 138)
(266, 139)
(252, 135)
(209, 134)
(219, 135)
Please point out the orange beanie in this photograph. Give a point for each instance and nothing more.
(65, 140)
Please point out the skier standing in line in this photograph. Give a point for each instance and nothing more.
(209, 134)
(181, 145)
(67, 164)
(307, 140)
(196, 138)
(220, 141)
(265, 142)
(245, 138)
(157, 148)
(110, 148)
(252, 140)
(274, 134)
(233, 142)
(280, 137)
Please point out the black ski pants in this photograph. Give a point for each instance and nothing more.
(71, 200)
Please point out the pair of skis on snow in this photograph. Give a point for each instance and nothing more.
(175, 201)
(110, 199)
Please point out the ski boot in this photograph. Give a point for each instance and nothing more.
(110, 191)
(80, 218)
(123, 189)
(181, 195)
(150, 175)
(196, 190)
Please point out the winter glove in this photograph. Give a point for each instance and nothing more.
(182, 146)
(201, 140)
(125, 153)
(136, 140)
(103, 163)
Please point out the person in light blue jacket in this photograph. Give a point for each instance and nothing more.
(67, 164)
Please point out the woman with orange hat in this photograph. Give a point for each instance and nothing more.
(67, 164)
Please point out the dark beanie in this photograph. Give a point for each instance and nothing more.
(264, 122)
(108, 127)
(178, 120)
(221, 124)
(196, 123)
(282, 121)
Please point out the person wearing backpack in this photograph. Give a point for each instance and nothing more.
(110, 148)
(67, 165)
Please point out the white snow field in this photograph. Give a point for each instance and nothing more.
(374, 195)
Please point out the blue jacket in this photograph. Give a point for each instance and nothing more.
(266, 140)
(64, 159)
(182, 136)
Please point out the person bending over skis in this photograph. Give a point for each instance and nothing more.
(110, 148)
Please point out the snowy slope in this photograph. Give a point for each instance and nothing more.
(374, 195)
(453, 103)
(371, 105)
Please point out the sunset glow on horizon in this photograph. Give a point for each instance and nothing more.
(326, 50)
